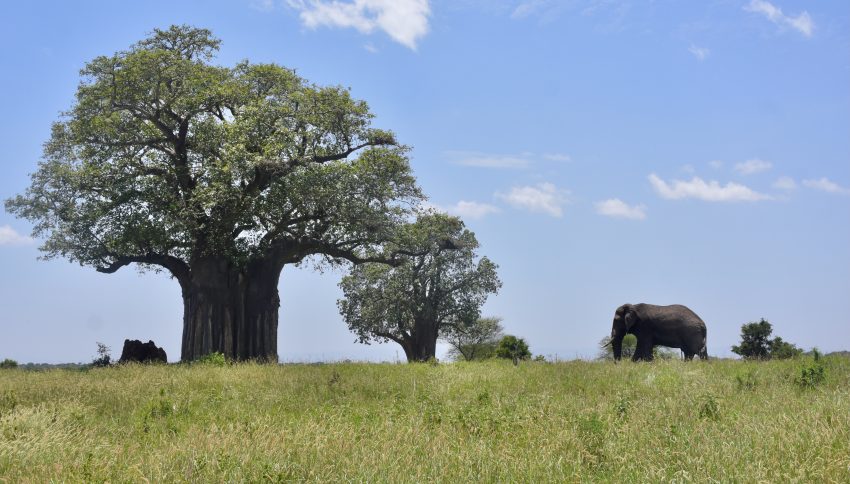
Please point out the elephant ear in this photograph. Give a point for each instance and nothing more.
(630, 319)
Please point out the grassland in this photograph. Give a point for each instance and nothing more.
(722, 421)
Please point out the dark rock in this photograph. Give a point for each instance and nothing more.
(136, 351)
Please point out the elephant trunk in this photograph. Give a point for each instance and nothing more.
(617, 346)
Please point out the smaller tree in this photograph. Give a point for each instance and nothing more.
(513, 348)
(104, 356)
(756, 343)
(8, 363)
(476, 341)
(437, 288)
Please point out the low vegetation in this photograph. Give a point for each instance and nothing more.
(727, 421)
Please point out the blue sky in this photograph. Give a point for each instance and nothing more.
(603, 151)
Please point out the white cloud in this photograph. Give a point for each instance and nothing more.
(801, 23)
(785, 183)
(615, 207)
(524, 9)
(483, 160)
(489, 160)
(463, 209)
(826, 185)
(710, 191)
(716, 164)
(541, 198)
(8, 236)
(473, 210)
(752, 166)
(699, 52)
(557, 157)
(405, 21)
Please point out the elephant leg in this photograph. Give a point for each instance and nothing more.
(643, 350)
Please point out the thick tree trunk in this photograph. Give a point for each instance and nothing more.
(422, 343)
(230, 310)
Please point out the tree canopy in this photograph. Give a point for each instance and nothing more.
(476, 341)
(513, 348)
(757, 344)
(438, 288)
(171, 162)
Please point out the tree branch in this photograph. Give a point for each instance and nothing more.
(179, 269)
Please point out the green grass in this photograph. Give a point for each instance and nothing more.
(722, 421)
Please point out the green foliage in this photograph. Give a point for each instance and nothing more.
(783, 350)
(166, 157)
(475, 341)
(513, 348)
(213, 359)
(573, 421)
(606, 351)
(103, 358)
(812, 373)
(757, 345)
(540, 358)
(437, 288)
(8, 363)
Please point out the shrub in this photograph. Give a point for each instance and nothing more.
(783, 350)
(8, 363)
(103, 358)
(213, 359)
(811, 374)
(513, 348)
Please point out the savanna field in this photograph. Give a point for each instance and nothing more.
(716, 421)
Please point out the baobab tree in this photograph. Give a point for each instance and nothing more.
(220, 176)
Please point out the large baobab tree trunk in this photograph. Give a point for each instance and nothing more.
(421, 344)
(232, 310)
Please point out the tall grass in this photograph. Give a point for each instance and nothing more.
(724, 421)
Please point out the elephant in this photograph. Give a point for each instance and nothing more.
(674, 326)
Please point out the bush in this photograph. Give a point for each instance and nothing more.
(783, 350)
(103, 358)
(513, 348)
(7, 363)
(213, 359)
(811, 374)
